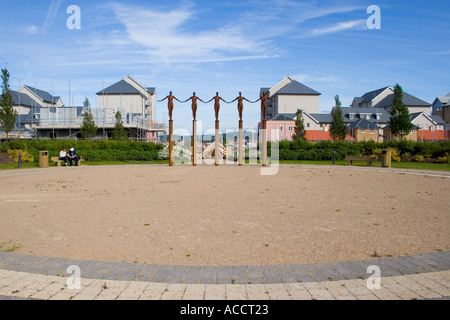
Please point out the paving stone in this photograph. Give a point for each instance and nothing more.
(177, 275)
(174, 292)
(215, 292)
(192, 275)
(286, 275)
(208, 275)
(277, 292)
(239, 275)
(147, 273)
(223, 275)
(300, 273)
(257, 292)
(194, 292)
(255, 275)
(162, 274)
(154, 291)
(236, 292)
(271, 274)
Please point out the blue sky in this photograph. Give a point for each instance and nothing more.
(227, 46)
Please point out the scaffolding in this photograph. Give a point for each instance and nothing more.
(66, 122)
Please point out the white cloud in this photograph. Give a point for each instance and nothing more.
(31, 29)
(51, 14)
(342, 26)
(164, 35)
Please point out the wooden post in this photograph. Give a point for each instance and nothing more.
(217, 143)
(241, 135)
(264, 133)
(171, 143)
(194, 143)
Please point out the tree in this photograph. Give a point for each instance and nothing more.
(88, 128)
(119, 133)
(7, 113)
(299, 131)
(338, 129)
(400, 121)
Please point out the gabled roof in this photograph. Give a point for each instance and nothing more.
(363, 124)
(414, 127)
(121, 87)
(408, 99)
(369, 96)
(322, 117)
(444, 100)
(384, 115)
(21, 99)
(296, 88)
(436, 119)
(284, 117)
(43, 95)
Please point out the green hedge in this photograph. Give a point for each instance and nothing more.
(323, 151)
(108, 150)
(101, 150)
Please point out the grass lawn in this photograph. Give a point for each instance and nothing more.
(398, 165)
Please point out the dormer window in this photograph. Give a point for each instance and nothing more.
(351, 116)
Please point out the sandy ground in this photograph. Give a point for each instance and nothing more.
(222, 215)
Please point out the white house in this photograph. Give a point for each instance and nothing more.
(131, 96)
(384, 98)
(289, 96)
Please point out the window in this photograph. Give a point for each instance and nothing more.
(281, 128)
(363, 130)
(352, 116)
(372, 131)
(291, 128)
(308, 125)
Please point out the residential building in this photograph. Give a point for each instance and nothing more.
(441, 107)
(289, 96)
(384, 98)
(41, 115)
(130, 96)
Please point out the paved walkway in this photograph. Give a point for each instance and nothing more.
(418, 277)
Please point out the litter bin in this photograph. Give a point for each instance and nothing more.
(43, 159)
(386, 159)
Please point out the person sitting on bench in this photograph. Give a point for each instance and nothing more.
(63, 156)
(73, 157)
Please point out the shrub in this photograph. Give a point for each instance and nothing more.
(25, 157)
(418, 158)
(444, 159)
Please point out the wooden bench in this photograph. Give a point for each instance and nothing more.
(369, 160)
(59, 162)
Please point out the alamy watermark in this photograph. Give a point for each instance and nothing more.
(74, 280)
(74, 21)
(374, 21)
(252, 154)
(374, 281)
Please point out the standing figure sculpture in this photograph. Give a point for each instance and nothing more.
(240, 101)
(194, 99)
(217, 99)
(170, 98)
(263, 100)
